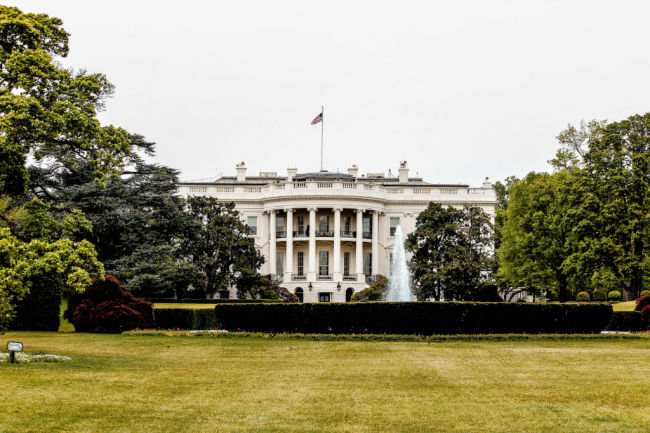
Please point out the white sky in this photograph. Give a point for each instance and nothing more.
(462, 89)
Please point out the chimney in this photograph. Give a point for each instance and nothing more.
(353, 170)
(291, 172)
(487, 183)
(241, 172)
(403, 172)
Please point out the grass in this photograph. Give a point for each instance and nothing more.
(131, 383)
(624, 306)
(183, 305)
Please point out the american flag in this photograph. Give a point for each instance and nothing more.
(317, 119)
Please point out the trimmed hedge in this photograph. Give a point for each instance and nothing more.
(185, 318)
(624, 321)
(425, 318)
(212, 301)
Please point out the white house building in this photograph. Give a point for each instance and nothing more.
(325, 235)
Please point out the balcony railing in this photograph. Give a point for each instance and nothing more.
(348, 234)
(280, 234)
(371, 279)
(324, 277)
(325, 233)
(349, 278)
(297, 277)
(367, 235)
(277, 278)
(300, 233)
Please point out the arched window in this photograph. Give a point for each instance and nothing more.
(299, 293)
(348, 294)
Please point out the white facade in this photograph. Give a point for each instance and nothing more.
(326, 234)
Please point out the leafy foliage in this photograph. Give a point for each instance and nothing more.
(451, 252)
(614, 296)
(105, 307)
(583, 297)
(218, 245)
(375, 292)
(643, 306)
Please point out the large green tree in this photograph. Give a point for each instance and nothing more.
(533, 234)
(452, 253)
(218, 245)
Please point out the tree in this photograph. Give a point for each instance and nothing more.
(218, 244)
(533, 235)
(452, 252)
(609, 217)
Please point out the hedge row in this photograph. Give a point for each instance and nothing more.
(624, 321)
(210, 301)
(185, 318)
(424, 318)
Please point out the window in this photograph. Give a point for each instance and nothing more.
(367, 225)
(324, 297)
(279, 224)
(252, 223)
(347, 223)
(198, 189)
(301, 263)
(346, 263)
(394, 222)
(324, 223)
(323, 263)
(301, 225)
(279, 264)
(348, 294)
(367, 263)
(299, 293)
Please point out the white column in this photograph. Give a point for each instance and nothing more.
(375, 242)
(272, 242)
(312, 245)
(337, 244)
(288, 270)
(359, 258)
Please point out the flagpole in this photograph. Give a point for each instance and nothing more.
(322, 127)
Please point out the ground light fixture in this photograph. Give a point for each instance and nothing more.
(12, 348)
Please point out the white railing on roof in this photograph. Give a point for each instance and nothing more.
(324, 184)
(349, 185)
(300, 184)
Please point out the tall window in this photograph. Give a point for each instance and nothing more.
(301, 263)
(367, 224)
(301, 225)
(347, 223)
(252, 223)
(367, 263)
(299, 293)
(279, 264)
(324, 223)
(346, 263)
(323, 263)
(279, 224)
(324, 297)
(394, 222)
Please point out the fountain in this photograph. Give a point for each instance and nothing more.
(399, 287)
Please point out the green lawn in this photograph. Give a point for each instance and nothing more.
(624, 306)
(120, 383)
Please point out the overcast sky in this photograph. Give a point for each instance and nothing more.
(462, 89)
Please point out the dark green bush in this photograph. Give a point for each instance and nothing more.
(425, 318)
(614, 296)
(185, 318)
(40, 309)
(376, 292)
(600, 295)
(624, 321)
(582, 297)
(644, 293)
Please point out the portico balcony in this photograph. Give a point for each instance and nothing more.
(348, 234)
(324, 277)
(324, 233)
(371, 279)
(297, 277)
(349, 278)
(367, 235)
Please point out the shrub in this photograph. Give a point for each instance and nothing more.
(376, 291)
(644, 293)
(40, 310)
(424, 318)
(600, 295)
(107, 308)
(614, 296)
(210, 301)
(624, 321)
(643, 306)
(185, 318)
(582, 297)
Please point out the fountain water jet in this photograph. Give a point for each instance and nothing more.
(399, 288)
